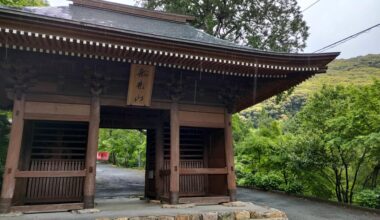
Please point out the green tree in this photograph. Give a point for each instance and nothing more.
(345, 121)
(22, 3)
(275, 25)
(126, 147)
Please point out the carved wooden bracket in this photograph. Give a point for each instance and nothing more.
(96, 81)
(19, 78)
(175, 89)
(228, 95)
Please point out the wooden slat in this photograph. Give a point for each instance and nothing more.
(189, 171)
(47, 208)
(25, 174)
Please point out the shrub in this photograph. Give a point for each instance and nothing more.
(293, 187)
(368, 198)
(267, 182)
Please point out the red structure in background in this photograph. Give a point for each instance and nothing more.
(103, 156)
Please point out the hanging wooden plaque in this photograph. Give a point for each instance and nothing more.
(140, 85)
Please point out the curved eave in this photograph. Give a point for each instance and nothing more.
(319, 59)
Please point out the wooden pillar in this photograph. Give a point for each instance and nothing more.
(231, 178)
(92, 148)
(13, 155)
(174, 153)
(159, 159)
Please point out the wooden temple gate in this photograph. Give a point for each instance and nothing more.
(67, 73)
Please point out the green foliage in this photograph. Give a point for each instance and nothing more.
(266, 24)
(368, 198)
(126, 147)
(329, 148)
(22, 3)
(293, 187)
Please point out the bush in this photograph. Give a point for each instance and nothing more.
(246, 179)
(293, 187)
(267, 182)
(368, 198)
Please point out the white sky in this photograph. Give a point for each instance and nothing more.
(330, 21)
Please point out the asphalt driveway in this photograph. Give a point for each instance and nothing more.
(113, 182)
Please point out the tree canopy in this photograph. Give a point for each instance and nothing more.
(276, 25)
(329, 149)
(22, 3)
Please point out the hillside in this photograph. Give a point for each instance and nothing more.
(358, 71)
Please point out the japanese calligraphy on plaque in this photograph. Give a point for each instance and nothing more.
(140, 85)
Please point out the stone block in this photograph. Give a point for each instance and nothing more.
(210, 216)
(183, 217)
(85, 211)
(274, 214)
(11, 214)
(155, 201)
(166, 217)
(195, 217)
(235, 204)
(256, 215)
(149, 218)
(226, 216)
(178, 206)
(242, 215)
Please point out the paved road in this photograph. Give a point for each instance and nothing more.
(302, 209)
(114, 182)
(120, 182)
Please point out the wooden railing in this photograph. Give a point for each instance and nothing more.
(193, 177)
(53, 180)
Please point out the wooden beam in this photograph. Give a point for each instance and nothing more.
(13, 154)
(159, 158)
(201, 119)
(174, 153)
(47, 208)
(203, 171)
(208, 200)
(37, 116)
(92, 148)
(26, 174)
(231, 178)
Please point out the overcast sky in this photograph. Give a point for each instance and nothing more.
(330, 21)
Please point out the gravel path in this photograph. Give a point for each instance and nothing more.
(114, 182)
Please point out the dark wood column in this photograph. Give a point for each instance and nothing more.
(159, 158)
(174, 153)
(92, 147)
(231, 178)
(13, 155)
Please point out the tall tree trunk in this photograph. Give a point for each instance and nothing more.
(346, 191)
(337, 185)
(361, 160)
